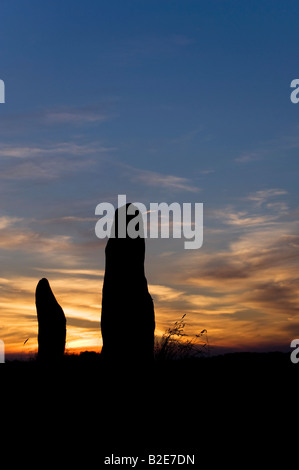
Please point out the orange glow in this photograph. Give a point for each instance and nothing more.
(245, 296)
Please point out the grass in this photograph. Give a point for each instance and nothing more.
(174, 345)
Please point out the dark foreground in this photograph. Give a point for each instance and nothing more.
(232, 410)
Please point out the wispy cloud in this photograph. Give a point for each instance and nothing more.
(23, 238)
(250, 156)
(188, 136)
(260, 197)
(49, 161)
(260, 208)
(7, 221)
(249, 283)
(57, 116)
(40, 170)
(282, 144)
(164, 293)
(70, 218)
(60, 148)
(89, 114)
(244, 219)
(258, 270)
(74, 272)
(16, 235)
(155, 179)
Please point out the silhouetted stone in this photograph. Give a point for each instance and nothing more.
(51, 323)
(128, 319)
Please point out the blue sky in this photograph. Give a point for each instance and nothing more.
(184, 101)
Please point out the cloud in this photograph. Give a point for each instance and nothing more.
(6, 221)
(83, 323)
(60, 148)
(79, 115)
(282, 144)
(154, 179)
(243, 219)
(15, 235)
(262, 210)
(244, 292)
(75, 272)
(257, 271)
(45, 170)
(70, 219)
(50, 252)
(242, 287)
(48, 161)
(75, 117)
(186, 137)
(164, 293)
(250, 156)
(274, 297)
(57, 116)
(260, 197)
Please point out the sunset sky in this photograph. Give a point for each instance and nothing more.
(164, 101)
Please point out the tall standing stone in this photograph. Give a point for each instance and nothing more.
(128, 318)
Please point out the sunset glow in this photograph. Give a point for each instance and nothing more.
(186, 104)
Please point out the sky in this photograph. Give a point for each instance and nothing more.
(163, 101)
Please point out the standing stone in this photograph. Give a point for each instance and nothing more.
(128, 318)
(51, 323)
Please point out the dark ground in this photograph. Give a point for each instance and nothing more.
(236, 410)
